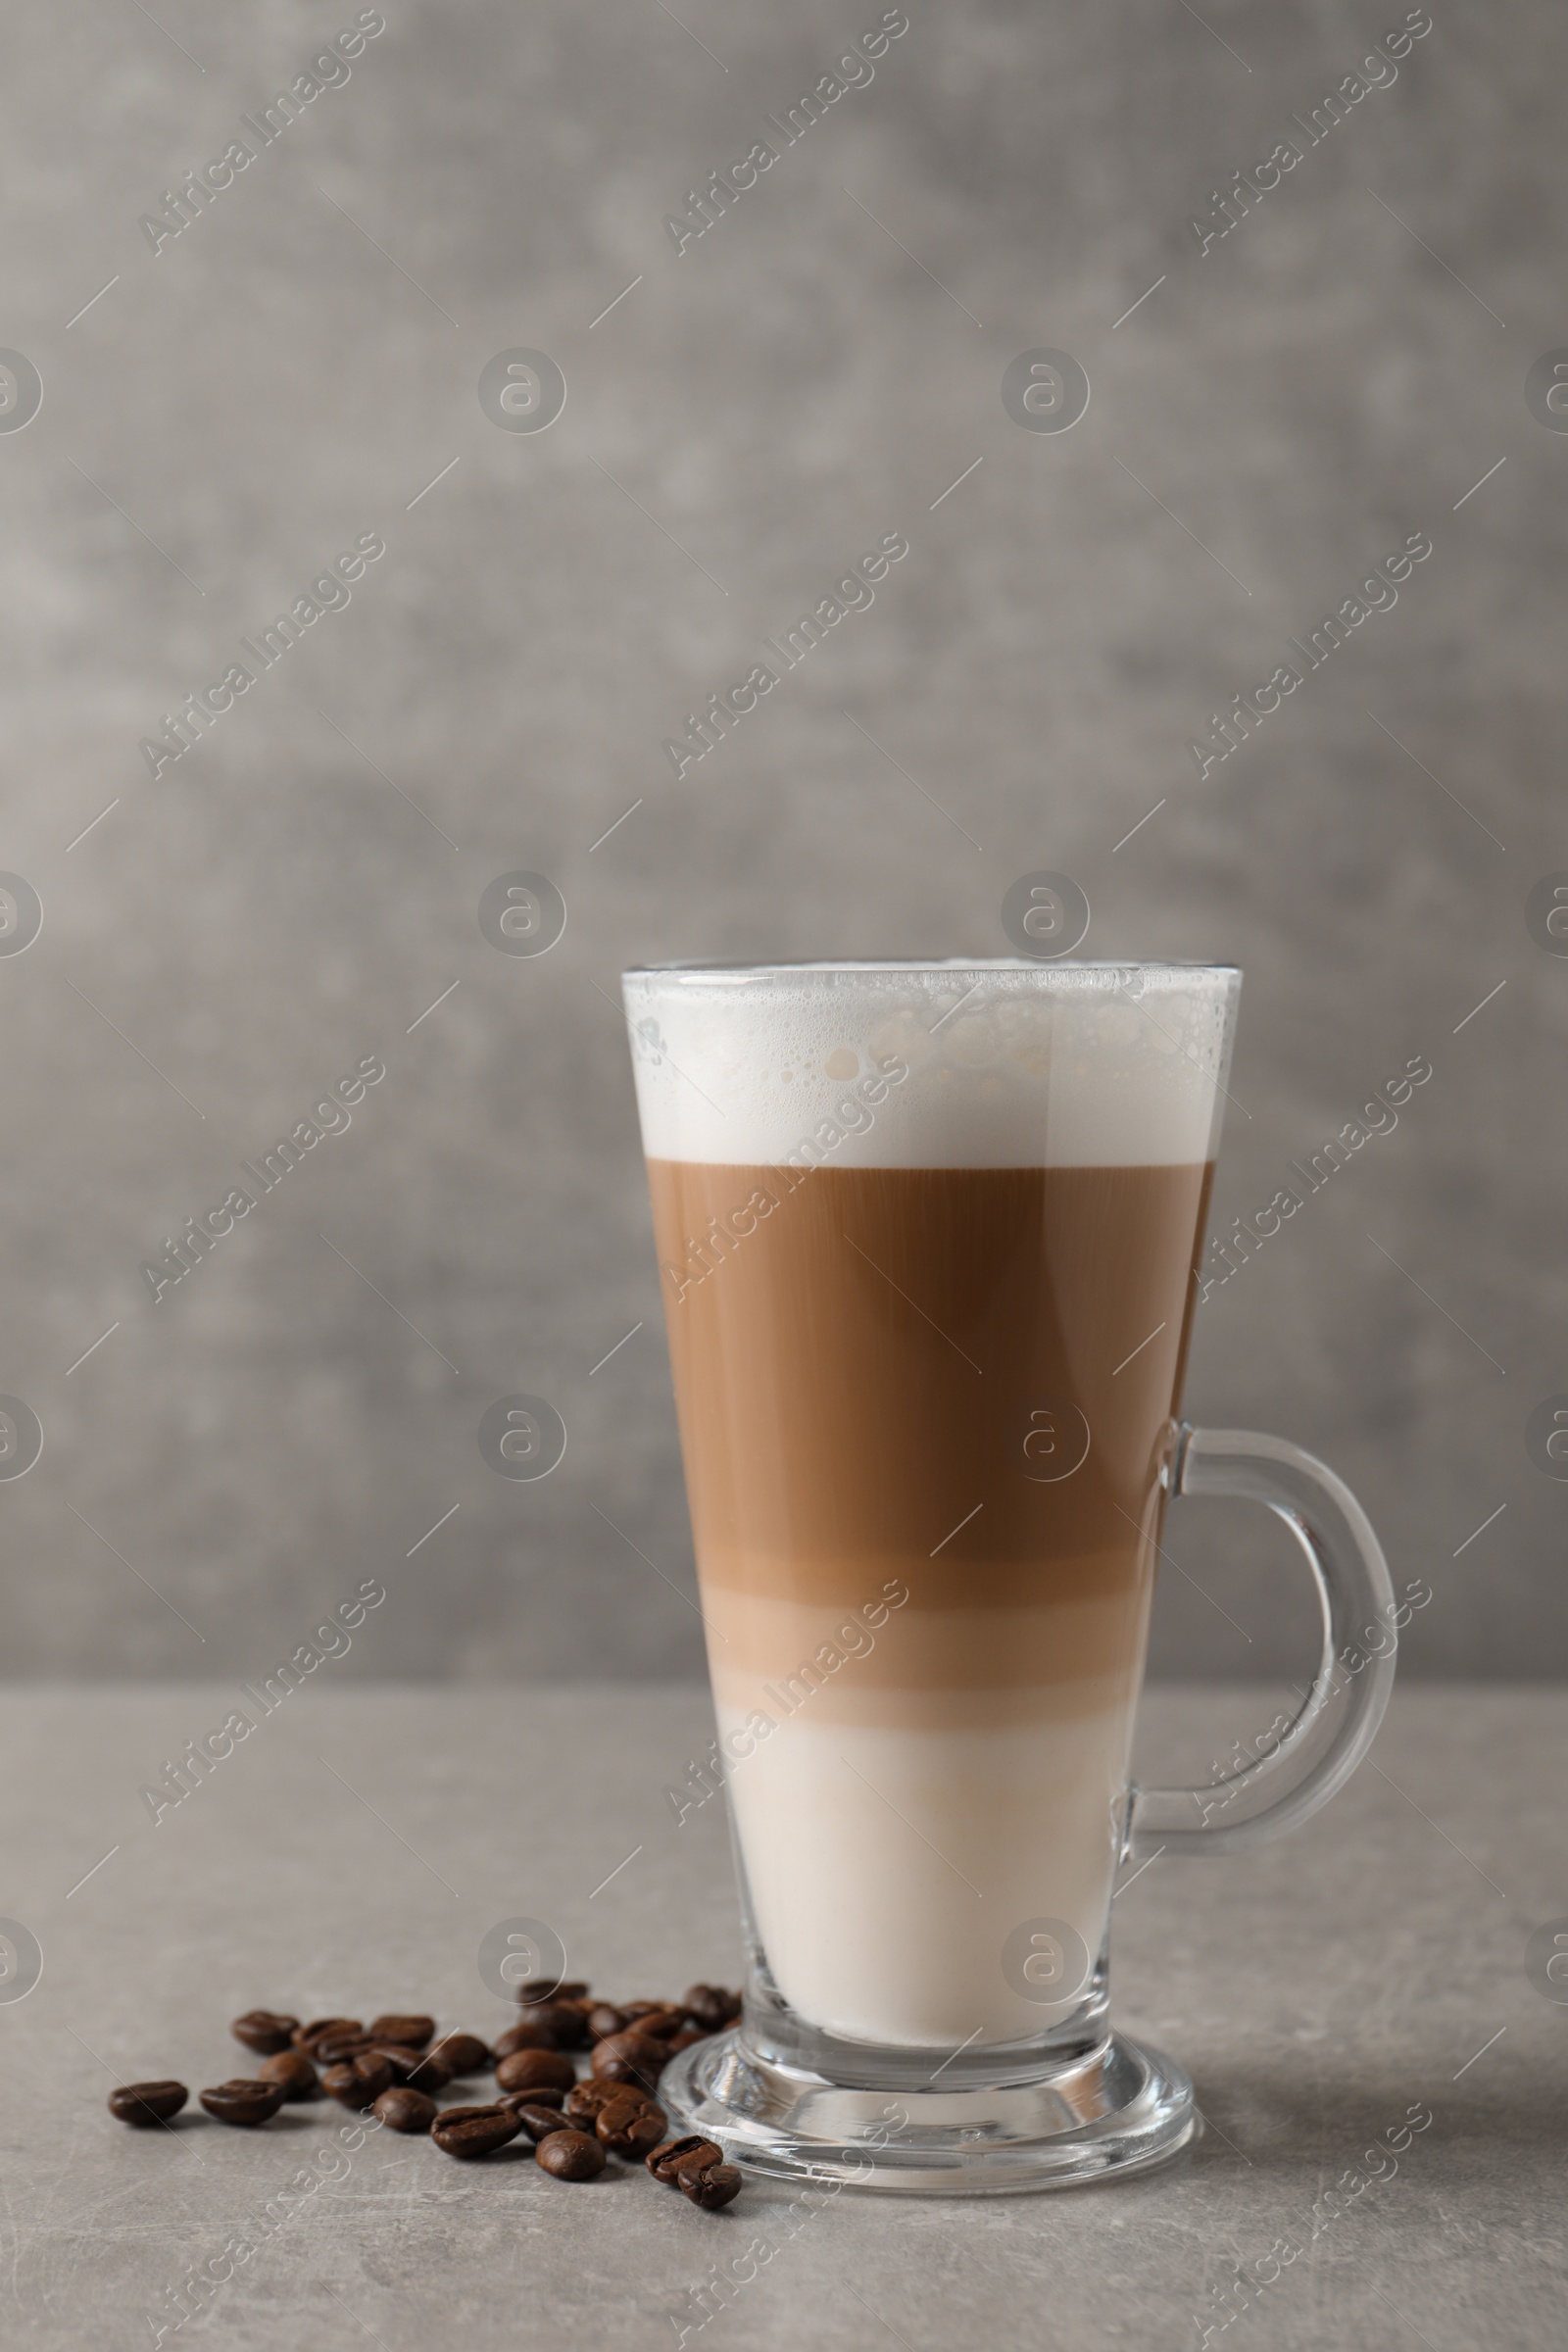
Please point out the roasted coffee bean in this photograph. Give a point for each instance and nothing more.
(534, 2035)
(543, 2097)
(336, 2047)
(359, 2083)
(474, 2131)
(265, 2033)
(243, 2101)
(629, 2128)
(462, 2054)
(430, 2072)
(294, 2071)
(398, 2056)
(683, 2041)
(604, 2019)
(405, 2110)
(532, 1993)
(567, 2020)
(630, 2058)
(707, 2184)
(665, 2162)
(304, 2036)
(538, 2121)
(147, 2102)
(710, 2006)
(531, 2070)
(571, 2156)
(408, 2032)
(585, 2099)
(331, 2044)
(658, 2024)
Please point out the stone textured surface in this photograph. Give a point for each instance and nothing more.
(1318, 1990)
(297, 364)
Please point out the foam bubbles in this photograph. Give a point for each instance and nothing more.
(933, 1065)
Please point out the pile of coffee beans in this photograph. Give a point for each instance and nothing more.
(396, 2068)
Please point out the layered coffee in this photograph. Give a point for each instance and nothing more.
(927, 1259)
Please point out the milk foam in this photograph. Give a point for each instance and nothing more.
(957, 1065)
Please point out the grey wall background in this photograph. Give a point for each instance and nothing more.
(299, 364)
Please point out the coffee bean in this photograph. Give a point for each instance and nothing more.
(265, 2033)
(571, 2156)
(665, 2162)
(657, 2021)
(359, 2083)
(710, 2006)
(294, 2071)
(629, 2128)
(585, 2099)
(147, 2102)
(528, 2069)
(538, 2121)
(398, 2056)
(243, 2101)
(532, 1994)
(630, 2058)
(408, 2032)
(474, 2131)
(462, 2054)
(604, 2019)
(708, 2184)
(683, 2041)
(567, 2020)
(543, 2097)
(304, 2036)
(336, 2046)
(405, 2110)
(430, 2072)
(533, 2036)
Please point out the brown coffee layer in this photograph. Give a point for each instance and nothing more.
(881, 1371)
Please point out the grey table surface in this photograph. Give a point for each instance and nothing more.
(353, 1852)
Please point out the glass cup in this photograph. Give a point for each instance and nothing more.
(928, 1234)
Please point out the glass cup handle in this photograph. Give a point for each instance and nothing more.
(1297, 1764)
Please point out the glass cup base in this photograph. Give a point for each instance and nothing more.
(1120, 2109)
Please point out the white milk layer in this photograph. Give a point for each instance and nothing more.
(933, 1065)
(889, 1867)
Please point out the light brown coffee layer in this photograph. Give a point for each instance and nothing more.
(890, 1662)
(864, 1361)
